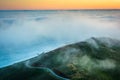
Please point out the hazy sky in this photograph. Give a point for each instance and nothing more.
(59, 4)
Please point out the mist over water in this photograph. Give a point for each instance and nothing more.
(24, 34)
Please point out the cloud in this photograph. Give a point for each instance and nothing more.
(65, 27)
(32, 31)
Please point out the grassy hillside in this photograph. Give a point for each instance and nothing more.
(93, 59)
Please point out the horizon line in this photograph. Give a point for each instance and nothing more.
(67, 9)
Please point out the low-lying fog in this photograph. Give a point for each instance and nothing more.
(24, 34)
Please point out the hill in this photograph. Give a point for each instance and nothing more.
(93, 59)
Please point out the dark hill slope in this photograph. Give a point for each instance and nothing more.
(93, 59)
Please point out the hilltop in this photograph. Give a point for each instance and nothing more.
(93, 59)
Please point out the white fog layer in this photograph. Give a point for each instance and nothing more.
(24, 34)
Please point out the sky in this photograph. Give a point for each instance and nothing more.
(58, 4)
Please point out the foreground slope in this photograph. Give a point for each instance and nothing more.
(93, 59)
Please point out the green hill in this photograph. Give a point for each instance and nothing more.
(93, 59)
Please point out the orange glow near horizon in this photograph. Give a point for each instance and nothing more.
(61, 4)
